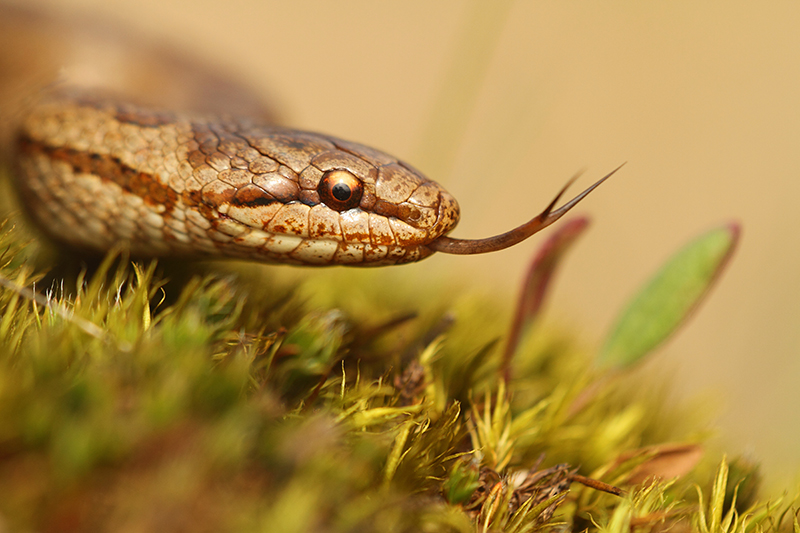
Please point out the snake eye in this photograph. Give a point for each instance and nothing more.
(340, 190)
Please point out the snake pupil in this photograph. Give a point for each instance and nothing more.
(341, 192)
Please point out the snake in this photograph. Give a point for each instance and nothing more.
(95, 170)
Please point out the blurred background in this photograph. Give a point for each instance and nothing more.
(503, 101)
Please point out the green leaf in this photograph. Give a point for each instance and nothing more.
(669, 298)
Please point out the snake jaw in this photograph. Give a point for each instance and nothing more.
(550, 214)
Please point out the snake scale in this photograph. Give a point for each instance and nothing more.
(94, 170)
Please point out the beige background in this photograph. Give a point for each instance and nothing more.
(701, 99)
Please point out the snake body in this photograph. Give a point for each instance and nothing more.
(95, 171)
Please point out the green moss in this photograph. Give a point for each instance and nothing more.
(228, 403)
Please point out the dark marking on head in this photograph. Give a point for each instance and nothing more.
(310, 198)
(193, 198)
(218, 194)
(252, 196)
(109, 169)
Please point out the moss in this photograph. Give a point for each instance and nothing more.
(130, 402)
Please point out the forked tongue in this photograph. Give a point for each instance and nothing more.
(448, 245)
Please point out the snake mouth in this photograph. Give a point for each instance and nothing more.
(449, 245)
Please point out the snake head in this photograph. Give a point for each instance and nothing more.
(320, 200)
(374, 208)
